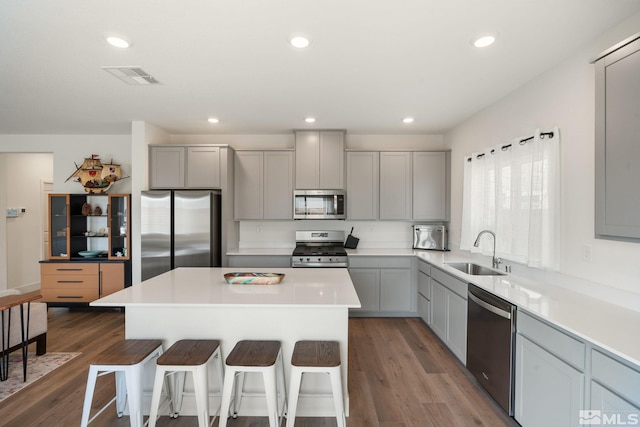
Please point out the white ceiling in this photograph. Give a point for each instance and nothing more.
(370, 62)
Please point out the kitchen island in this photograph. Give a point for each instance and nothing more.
(309, 304)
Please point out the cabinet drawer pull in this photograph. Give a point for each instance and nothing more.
(68, 269)
(69, 297)
(70, 281)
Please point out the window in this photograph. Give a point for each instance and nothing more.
(514, 191)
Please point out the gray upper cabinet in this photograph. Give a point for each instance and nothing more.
(430, 186)
(278, 185)
(263, 185)
(166, 167)
(173, 167)
(362, 185)
(320, 160)
(395, 185)
(617, 150)
(203, 167)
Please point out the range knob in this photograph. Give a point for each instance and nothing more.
(301, 259)
(308, 259)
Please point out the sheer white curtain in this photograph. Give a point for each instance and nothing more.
(514, 190)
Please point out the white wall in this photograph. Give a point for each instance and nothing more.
(564, 96)
(68, 149)
(22, 179)
(63, 151)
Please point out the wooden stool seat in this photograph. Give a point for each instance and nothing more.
(192, 355)
(264, 357)
(318, 357)
(189, 352)
(126, 359)
(316, 354)
(127, 352)
(254, 353)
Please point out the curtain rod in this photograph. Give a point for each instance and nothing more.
(522, 142)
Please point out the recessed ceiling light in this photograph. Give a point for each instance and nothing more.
(407, 120)
(484, 41)
(213, 120)
(299, 41)
(118, 42)
(310, 120)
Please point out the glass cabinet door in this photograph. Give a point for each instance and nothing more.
(119, 221)
(59, 226)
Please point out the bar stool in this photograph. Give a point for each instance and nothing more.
(316, 356)
(127, 359)
(254, 356)
(182, 357)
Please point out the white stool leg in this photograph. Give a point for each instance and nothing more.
(336, 385)
(134, 394)
(88, 395)
(158, 385)
(227, 389)
(271, 393)
(294, 390)
(239, 381)
(220, 373)
(201, 388)
(179, 379)
(281, 386)
(121, 393)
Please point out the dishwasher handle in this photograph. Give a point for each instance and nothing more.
(487, 306)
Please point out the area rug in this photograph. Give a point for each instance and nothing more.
(37, 367)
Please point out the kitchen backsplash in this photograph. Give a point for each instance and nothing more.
(281, 234)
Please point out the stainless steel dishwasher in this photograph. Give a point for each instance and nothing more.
(490, 344)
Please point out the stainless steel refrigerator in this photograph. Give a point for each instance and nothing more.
(179, 229)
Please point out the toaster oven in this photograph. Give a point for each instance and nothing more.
(432, 237)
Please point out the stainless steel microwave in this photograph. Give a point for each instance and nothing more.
(319, 204)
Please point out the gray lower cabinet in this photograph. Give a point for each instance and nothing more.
(424, 292)
(384, 285)
(615, 389)
(549, 375)
(366, 281)
(449, 311)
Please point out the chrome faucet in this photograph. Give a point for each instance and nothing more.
(495, 261)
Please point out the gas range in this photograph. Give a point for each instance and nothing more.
(319, 249)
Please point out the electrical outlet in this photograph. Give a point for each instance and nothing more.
(586, 253)
(12, 212)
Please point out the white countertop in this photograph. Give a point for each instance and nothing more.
(607, 325)
(301, 287)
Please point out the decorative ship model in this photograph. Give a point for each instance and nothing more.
(95, 177)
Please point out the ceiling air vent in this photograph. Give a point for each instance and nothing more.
(132, 75)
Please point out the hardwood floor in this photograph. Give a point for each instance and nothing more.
(400, 375)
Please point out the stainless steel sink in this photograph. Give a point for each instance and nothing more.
(474, 269)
